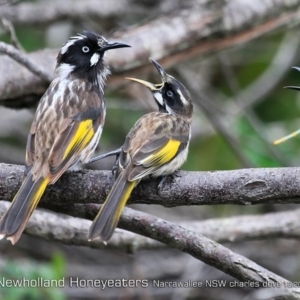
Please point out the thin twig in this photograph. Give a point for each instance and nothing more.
(284, 58)
(215, 118)
(22, 59)
(249, 114)
(8, 26)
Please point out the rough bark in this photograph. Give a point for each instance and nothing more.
(242, 187)
(74, 230)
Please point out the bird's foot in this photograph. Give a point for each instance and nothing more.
(168, 179)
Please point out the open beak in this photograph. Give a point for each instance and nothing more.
(114, 45)
(151, 86)
(160, 69)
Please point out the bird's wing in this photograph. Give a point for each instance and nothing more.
(74, 135)
(155, 152)
(30, 147)
(72, 123)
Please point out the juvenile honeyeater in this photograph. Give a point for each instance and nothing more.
(66, 127)
(157, 145)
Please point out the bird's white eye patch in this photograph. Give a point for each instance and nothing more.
(94, 59)
(182, 98)
(85, 49)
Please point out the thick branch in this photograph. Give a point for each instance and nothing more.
(74, 231)
(198, 31)
(242, 187)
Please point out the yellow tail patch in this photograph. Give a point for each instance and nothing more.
(124, 199)
(39, 193)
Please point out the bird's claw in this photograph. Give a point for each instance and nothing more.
(168, 179)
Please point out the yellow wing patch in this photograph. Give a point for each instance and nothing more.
(164, 155)
(82, 137)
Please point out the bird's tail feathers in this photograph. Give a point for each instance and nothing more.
(15, 219)
(107, 219)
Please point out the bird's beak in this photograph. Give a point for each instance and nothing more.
(297, 88)
(114, 45)
(151, 86)
(161, 71)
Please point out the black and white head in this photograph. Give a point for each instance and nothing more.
(82, 56)
(170, 95)
(297, 88)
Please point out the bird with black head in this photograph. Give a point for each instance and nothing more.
(157, 145)
(66, 127)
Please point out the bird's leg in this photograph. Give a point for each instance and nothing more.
(115, 168)
(168, 179)
(111, 153)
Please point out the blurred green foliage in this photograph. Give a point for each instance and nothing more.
(31, 38)
(29, 275)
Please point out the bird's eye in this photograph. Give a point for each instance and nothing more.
(170, 94)
(85, 49)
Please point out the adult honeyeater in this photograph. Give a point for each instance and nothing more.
(157, 145)
(67, 124)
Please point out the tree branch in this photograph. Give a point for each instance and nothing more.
(17, 82)
(242, 187)
(74, 230)
(22, 59)
(9, 28)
